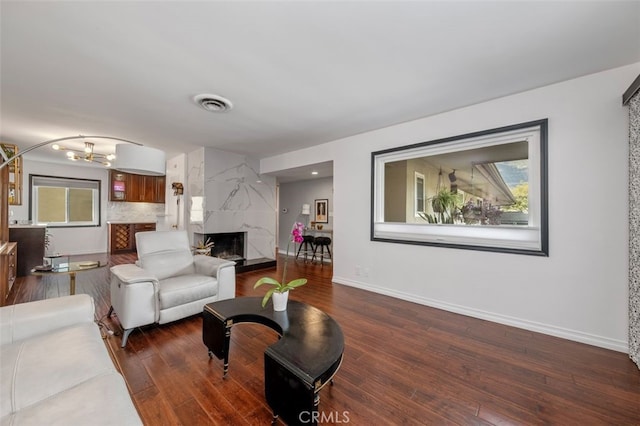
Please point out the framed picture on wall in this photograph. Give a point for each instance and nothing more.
(322, 211)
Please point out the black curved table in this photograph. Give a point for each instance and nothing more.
(297, 366)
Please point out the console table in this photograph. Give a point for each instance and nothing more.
(297, 366)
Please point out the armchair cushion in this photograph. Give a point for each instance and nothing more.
(168, 264)
(165, 254)
(185, 289)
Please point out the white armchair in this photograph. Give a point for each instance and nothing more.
(167, 282)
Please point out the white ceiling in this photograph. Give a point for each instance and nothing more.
(298, 73)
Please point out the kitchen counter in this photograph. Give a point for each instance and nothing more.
(129, 222)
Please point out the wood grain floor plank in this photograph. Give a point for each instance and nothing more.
(404, 363)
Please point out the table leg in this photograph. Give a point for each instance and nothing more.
(72, 283)
(227, 343)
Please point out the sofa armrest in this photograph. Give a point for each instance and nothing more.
(223, 270)
(25, 320)
(131, 274)
(134, 295)
(211, 266)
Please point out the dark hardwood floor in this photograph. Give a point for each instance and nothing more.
(403, 364)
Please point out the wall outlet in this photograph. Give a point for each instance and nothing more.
(358, 271)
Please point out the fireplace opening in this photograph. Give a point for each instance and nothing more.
(226, 245)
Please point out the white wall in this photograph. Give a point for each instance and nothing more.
(68, 240)
(580, 291)
(175, 213)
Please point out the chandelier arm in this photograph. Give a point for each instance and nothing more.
(60, 140)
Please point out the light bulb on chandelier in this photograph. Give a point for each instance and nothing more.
(87, 154)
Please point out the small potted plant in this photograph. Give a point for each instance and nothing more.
(203, 247)
(280, 289)
(444, 207)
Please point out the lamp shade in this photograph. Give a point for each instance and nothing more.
(306, 209)
(140, 160)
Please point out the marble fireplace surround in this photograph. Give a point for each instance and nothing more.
(233, 198)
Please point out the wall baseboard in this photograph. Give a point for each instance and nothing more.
(564, 333)
(293, 256)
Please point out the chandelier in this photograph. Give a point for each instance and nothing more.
(88, 154)
(133, 157)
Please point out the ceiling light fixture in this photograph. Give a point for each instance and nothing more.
(140, 160)
(87, 154)
(134, 158)
(314, 172)
(213, 103)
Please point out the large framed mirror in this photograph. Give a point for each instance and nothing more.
(483, 191)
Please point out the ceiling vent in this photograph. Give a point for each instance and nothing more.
(213, 103)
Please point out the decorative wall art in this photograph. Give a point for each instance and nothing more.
(322, 211)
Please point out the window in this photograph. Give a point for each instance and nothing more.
(64, 202)
(485, 191)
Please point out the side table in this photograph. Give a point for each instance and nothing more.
(74, 267)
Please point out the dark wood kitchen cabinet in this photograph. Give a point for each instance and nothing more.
(122, 236)
(136, 188)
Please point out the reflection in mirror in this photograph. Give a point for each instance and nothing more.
(437, 192)
(484, 186)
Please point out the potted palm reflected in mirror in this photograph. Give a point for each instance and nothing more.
(280, 289)
(444, 205)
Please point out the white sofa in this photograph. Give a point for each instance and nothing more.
(55, 368)
(168, 282)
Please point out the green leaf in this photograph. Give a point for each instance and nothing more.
(267, 280)
(295, 283)
(266, 297)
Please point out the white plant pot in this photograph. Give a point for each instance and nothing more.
(280, 301)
